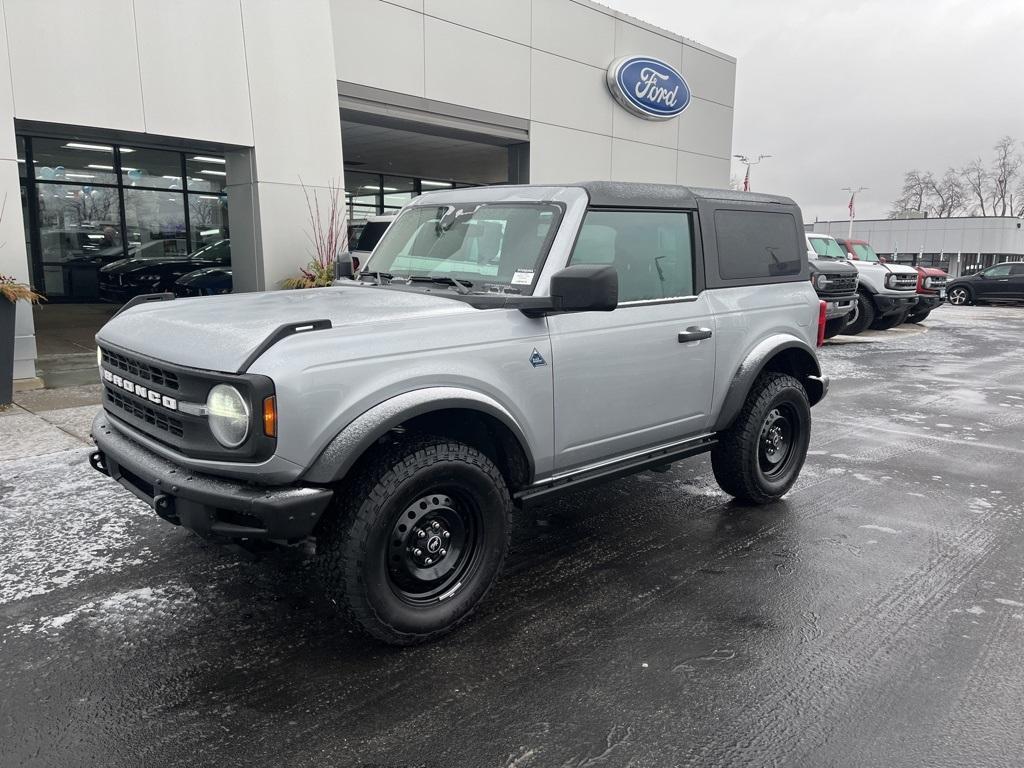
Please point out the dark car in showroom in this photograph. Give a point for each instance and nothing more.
(139, 274)
(209, 281)
(1002, 282)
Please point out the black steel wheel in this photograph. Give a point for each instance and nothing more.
(416, 539)
(760, 456)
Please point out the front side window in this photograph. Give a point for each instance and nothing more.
(652, 251)
(490, 246)
(827, 248)
(1000, 270)
(754, 245)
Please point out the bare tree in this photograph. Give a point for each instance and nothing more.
(978, 182)
(1006, 172)
(946, 195)
(912, 197)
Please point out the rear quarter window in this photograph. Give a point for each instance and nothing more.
(754, 245)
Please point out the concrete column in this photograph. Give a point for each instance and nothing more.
(13, 257)
(296, 125)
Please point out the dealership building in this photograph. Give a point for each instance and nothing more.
(960, 245)
(144, 129)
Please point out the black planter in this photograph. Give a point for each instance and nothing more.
(6, 351)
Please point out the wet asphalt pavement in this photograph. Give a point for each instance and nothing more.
(874, 617)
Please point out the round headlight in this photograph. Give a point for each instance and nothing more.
(890, 280)
(820, 282)
(927, 282)
(228, 414)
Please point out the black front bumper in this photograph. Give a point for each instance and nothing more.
(890, 305)
(211, 506)
(928, 301)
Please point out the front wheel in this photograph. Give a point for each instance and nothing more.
(960, 297)
(760, 456)
(417, 539)
(918, 317)
(889, 321)
(863, 317)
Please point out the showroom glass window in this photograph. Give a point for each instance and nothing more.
(375, 194)
(88, 203)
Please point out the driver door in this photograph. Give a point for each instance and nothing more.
(627, 380)
(995, 283)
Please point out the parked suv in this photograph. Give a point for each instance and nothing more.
(1003, 282)
(397, 419)
(834, 279)
(931, 292)
(886, 293)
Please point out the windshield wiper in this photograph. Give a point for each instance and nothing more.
(378, 276)
(462, 286)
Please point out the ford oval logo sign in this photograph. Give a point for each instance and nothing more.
(648, 88)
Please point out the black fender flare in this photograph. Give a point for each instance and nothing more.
(790, 355)
(361, 433)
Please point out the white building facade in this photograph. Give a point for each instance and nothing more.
(960, 245)
(130, 126)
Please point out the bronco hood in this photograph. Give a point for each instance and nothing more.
(220, 333)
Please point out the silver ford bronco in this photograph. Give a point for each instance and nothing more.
(501, 345)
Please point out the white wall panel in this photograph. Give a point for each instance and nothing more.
(709, 77)
(642, 162)
(201, 92)
(664, 133)
(706, 128)
(57, 80)
(293, 91)
(412, 5)
(702, 171)
(476, 70)
(631, 39)
(361, 28)
(560, 155)
(505, 18)
(570, 94)
(575, 31)
(8, 150)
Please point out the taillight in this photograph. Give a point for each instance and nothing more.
(355, 263)
(822, 311)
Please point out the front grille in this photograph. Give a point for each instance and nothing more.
(905, 282)
(841, 284)
(937, 282)
(138, 369)
(143, 412)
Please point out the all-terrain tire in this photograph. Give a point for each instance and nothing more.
(918, 317)
(889, 321)
(364, 546)
(834, 326)
(865, 315)
(741, 460)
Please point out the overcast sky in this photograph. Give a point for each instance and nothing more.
(856, 92)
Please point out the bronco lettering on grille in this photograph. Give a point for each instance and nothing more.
(140, 391)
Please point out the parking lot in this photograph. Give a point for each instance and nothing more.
(874, 617)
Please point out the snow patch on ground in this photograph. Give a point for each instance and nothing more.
(879, 528)
(1012, 603)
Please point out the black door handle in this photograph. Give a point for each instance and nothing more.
(694, 333)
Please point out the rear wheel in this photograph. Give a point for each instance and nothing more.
(865, 315)
(760, 456)
(918, 317)
(960, 296)
(417, 540)
(889, 321)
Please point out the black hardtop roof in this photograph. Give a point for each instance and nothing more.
(640, 195)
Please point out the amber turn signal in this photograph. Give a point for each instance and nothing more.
(270, 416)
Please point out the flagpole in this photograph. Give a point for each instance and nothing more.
(748, 162)
(853, 195)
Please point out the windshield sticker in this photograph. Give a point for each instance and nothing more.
(523, 277)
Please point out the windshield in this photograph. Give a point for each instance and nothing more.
(491, 246)
(827, 248)
(865, 252)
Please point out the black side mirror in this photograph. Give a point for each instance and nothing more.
(343, 267)
(585, 288)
